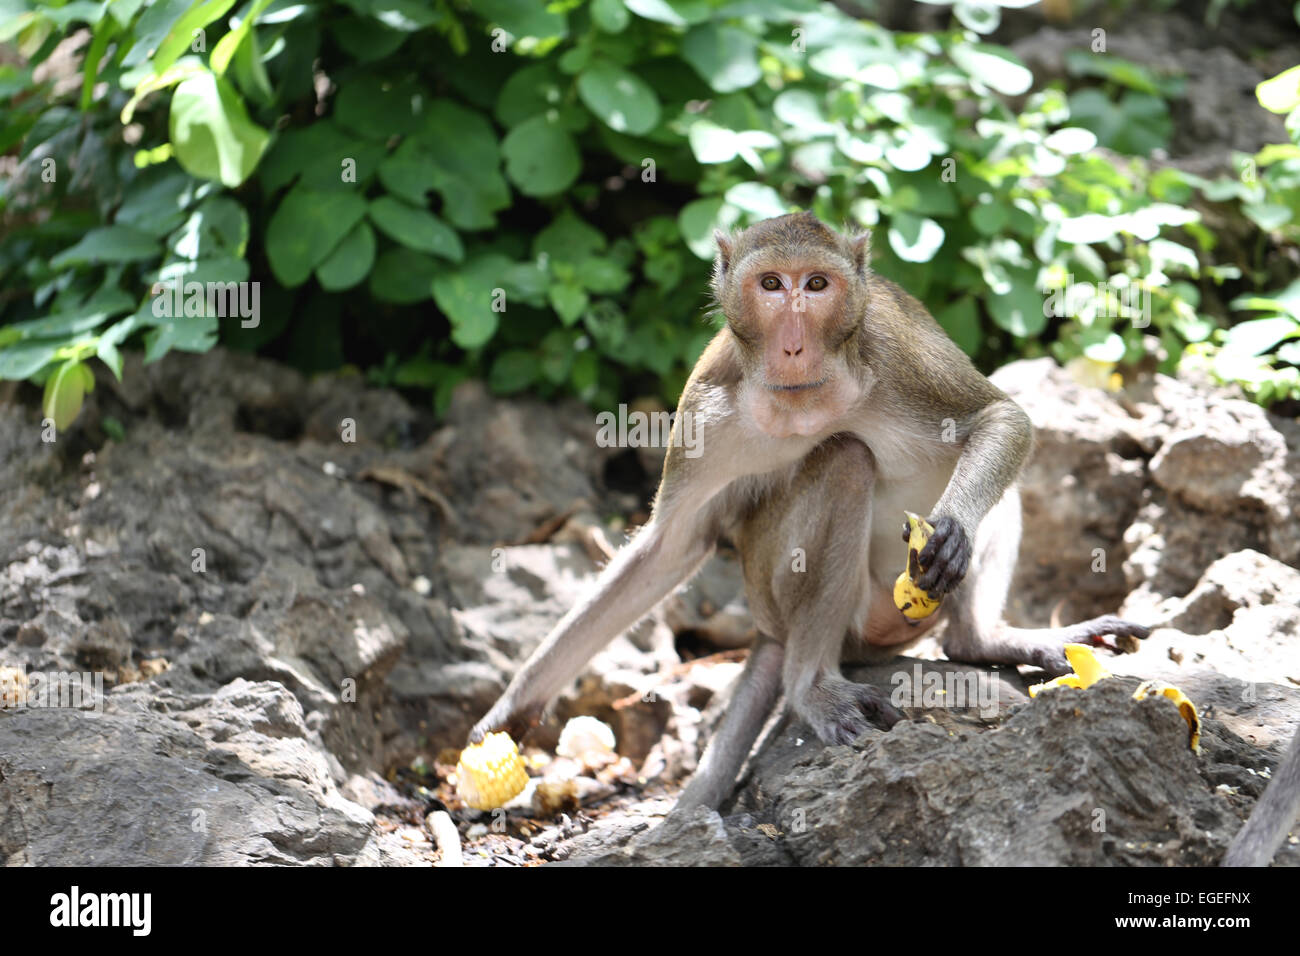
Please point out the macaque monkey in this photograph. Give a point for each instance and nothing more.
(829, 402)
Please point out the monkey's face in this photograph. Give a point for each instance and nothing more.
(793, 318)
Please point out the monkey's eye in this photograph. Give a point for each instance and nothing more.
(816, 284)
(771, 283)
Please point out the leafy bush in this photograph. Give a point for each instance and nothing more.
(527, 192)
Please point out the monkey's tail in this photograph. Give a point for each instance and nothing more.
(1273, 816)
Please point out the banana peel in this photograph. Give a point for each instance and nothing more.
(908, 598)
(1088, 671)
(1152, 688)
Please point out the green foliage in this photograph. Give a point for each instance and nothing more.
(526, 192)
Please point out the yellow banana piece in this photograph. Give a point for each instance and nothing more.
(908, 598)
(1185, 707)
(1087, 670)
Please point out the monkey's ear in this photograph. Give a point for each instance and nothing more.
(860, 246)
(724, 249)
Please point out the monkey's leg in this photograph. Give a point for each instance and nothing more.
(805, 550)
(976, 632)
(756, 691)
(1274, 815)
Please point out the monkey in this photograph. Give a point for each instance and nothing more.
(827, 403)
(1274, 814)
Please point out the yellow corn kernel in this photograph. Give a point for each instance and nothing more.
(490, 774)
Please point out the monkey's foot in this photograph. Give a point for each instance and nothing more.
(840, 711)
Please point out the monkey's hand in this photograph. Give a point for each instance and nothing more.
(945, 557)
(505, 716)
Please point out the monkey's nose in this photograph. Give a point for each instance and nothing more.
(798, 350)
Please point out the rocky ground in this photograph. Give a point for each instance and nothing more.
(295, 630)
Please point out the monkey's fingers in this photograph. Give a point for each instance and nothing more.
(1116, 634)
(946, 558)
(876, 707)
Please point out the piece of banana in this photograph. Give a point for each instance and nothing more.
(1185, 707)
(908, 598)
(1087, 670)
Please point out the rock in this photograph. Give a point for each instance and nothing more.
(1082, 485)
(162, 779)
(712, 607)
(512, 465)
(697, 838)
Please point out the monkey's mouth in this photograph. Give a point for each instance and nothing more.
(806, 386)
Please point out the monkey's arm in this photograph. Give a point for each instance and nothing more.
(679, 537)
(669, 549)
(1000, 436)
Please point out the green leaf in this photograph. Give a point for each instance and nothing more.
(961, 321)
(225, 49)
(760, 201)
(1021, 310)
(611, 16)
(181, 36)
(24, 360)
(1256, 336)
(568, 301)
(410, 173)
(994, 66)
(677, 13)
(913, 238)
(350, 262)
(513, 371)
(982, 16)
(463, 144)
(211, 132)
(522, 18)
(184, 333)
(416, 229)
(622, 100)
(1281, 94)
(989, 218)
(725, 57)
(585, 377)
(699, 218)
(320, 155)
(528, 92)
(541, 158)
(603, 276)
(109, 244)
(367, 40)
(64, 391)
(568, 239)
(305, 228)
(403, 276)
(466, 296)
(374, 108)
